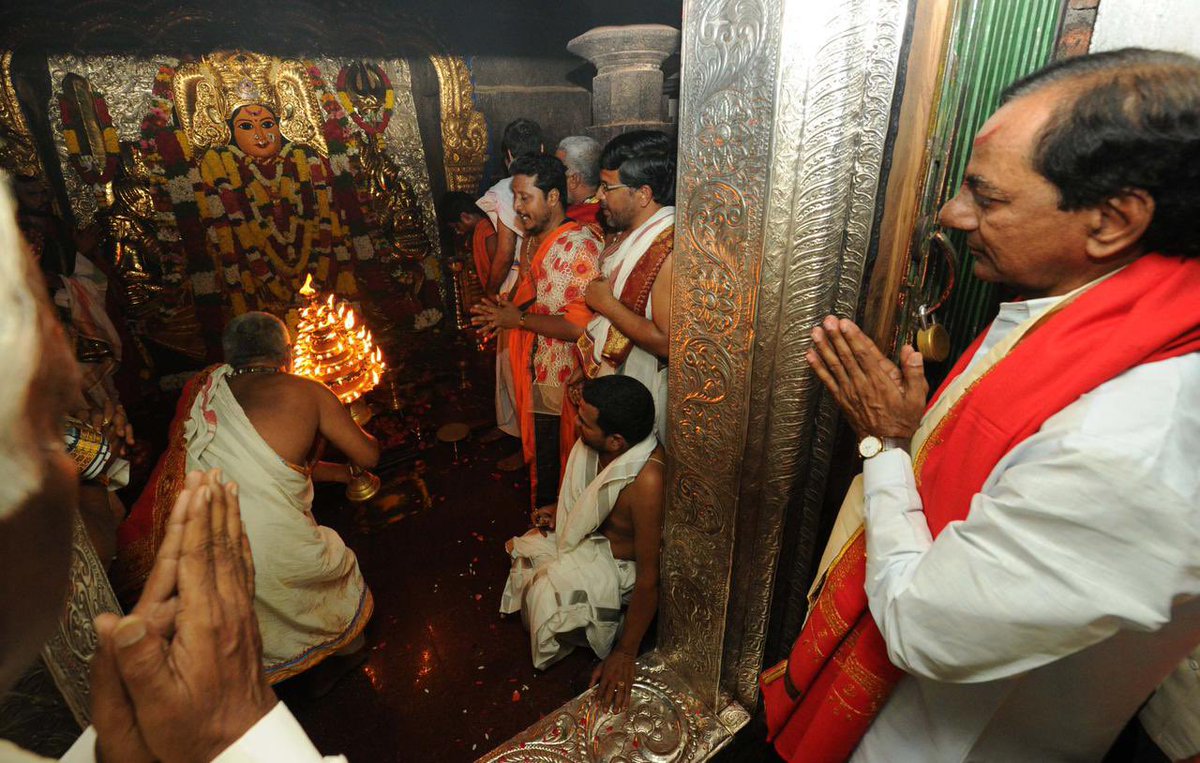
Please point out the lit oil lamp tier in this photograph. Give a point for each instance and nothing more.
(333, 347)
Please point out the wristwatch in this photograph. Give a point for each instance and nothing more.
(871, 446)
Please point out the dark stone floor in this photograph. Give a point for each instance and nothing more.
(447, 678)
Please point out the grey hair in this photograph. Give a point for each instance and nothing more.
(581, 154)
(255, 337)
(20, 470)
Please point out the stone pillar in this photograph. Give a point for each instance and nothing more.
(627, 92)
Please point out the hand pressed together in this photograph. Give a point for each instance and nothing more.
(876, 397)
(491, 315)
(180, 677)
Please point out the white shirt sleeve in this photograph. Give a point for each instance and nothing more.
(1085, 528)
(276, 737)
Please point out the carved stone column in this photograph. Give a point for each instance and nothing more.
(627, 92)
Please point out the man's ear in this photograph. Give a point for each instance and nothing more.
(1118, 223)
(553, 197)
(465, 218)
(615, 443)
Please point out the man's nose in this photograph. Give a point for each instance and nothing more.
(958, 213)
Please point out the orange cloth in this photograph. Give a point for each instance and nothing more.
(822, 700)
(576, 257)
(480, 234)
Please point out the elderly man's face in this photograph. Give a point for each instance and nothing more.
(1016, 233)
(35, 539)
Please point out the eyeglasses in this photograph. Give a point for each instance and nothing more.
(605, 187)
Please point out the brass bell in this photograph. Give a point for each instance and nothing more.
(933, 341)
(363, 485)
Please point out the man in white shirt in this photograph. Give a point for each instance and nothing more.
(522, 137)
(180, 677)
(1031, 570)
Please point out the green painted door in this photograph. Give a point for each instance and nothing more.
(993, 43)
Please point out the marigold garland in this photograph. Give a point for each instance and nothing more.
(389, 102)
(86, 165)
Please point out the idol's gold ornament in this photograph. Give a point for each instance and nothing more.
(464, 130)
(394, 201)
(128, 232)
(18, 149)
(209, 91)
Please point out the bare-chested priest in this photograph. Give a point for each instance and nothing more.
(265, 429)
(599, 547)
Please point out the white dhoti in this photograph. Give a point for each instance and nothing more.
(497, 204)
(567, 585)
(644, 366)
(310, 597)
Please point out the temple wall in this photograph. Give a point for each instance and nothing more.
(1166, 24)
(554, 92)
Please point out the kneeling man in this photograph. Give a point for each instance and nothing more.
(599, 547)
(265, 429)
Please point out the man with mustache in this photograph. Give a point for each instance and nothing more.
(1026, 574)
(546, 314)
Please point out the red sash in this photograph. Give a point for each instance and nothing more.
(520, 350)
(822, 700)
(480, 234)
(142, 532)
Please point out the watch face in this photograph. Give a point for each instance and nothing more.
(869, 446)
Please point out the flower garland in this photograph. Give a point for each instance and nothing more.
(88, 166)
(245, 210)
(389, 102)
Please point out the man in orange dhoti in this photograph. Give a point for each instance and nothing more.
(265, 428)
(1028, 576)
(547, 315)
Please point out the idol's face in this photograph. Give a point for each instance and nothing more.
(256, 132)
(531, 204)
(617, 200)
(1015, 230)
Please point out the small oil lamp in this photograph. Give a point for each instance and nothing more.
(335, 348)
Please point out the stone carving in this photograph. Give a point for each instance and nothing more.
(69, 652)
(664, 724)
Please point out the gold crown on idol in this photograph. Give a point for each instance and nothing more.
(209, 91)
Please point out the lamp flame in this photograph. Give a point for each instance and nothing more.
(307, 290)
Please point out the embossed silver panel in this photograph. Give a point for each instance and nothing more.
(68, 654)
(837, 69)
(664, 724)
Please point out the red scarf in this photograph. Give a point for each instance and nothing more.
(520, 350)
(142, 532)
(838, 676)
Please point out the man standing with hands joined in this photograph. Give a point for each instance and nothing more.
(547, 313)
(1026, 574)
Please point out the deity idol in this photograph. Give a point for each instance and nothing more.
(266, 190)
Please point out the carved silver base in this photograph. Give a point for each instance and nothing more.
(665, 723)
